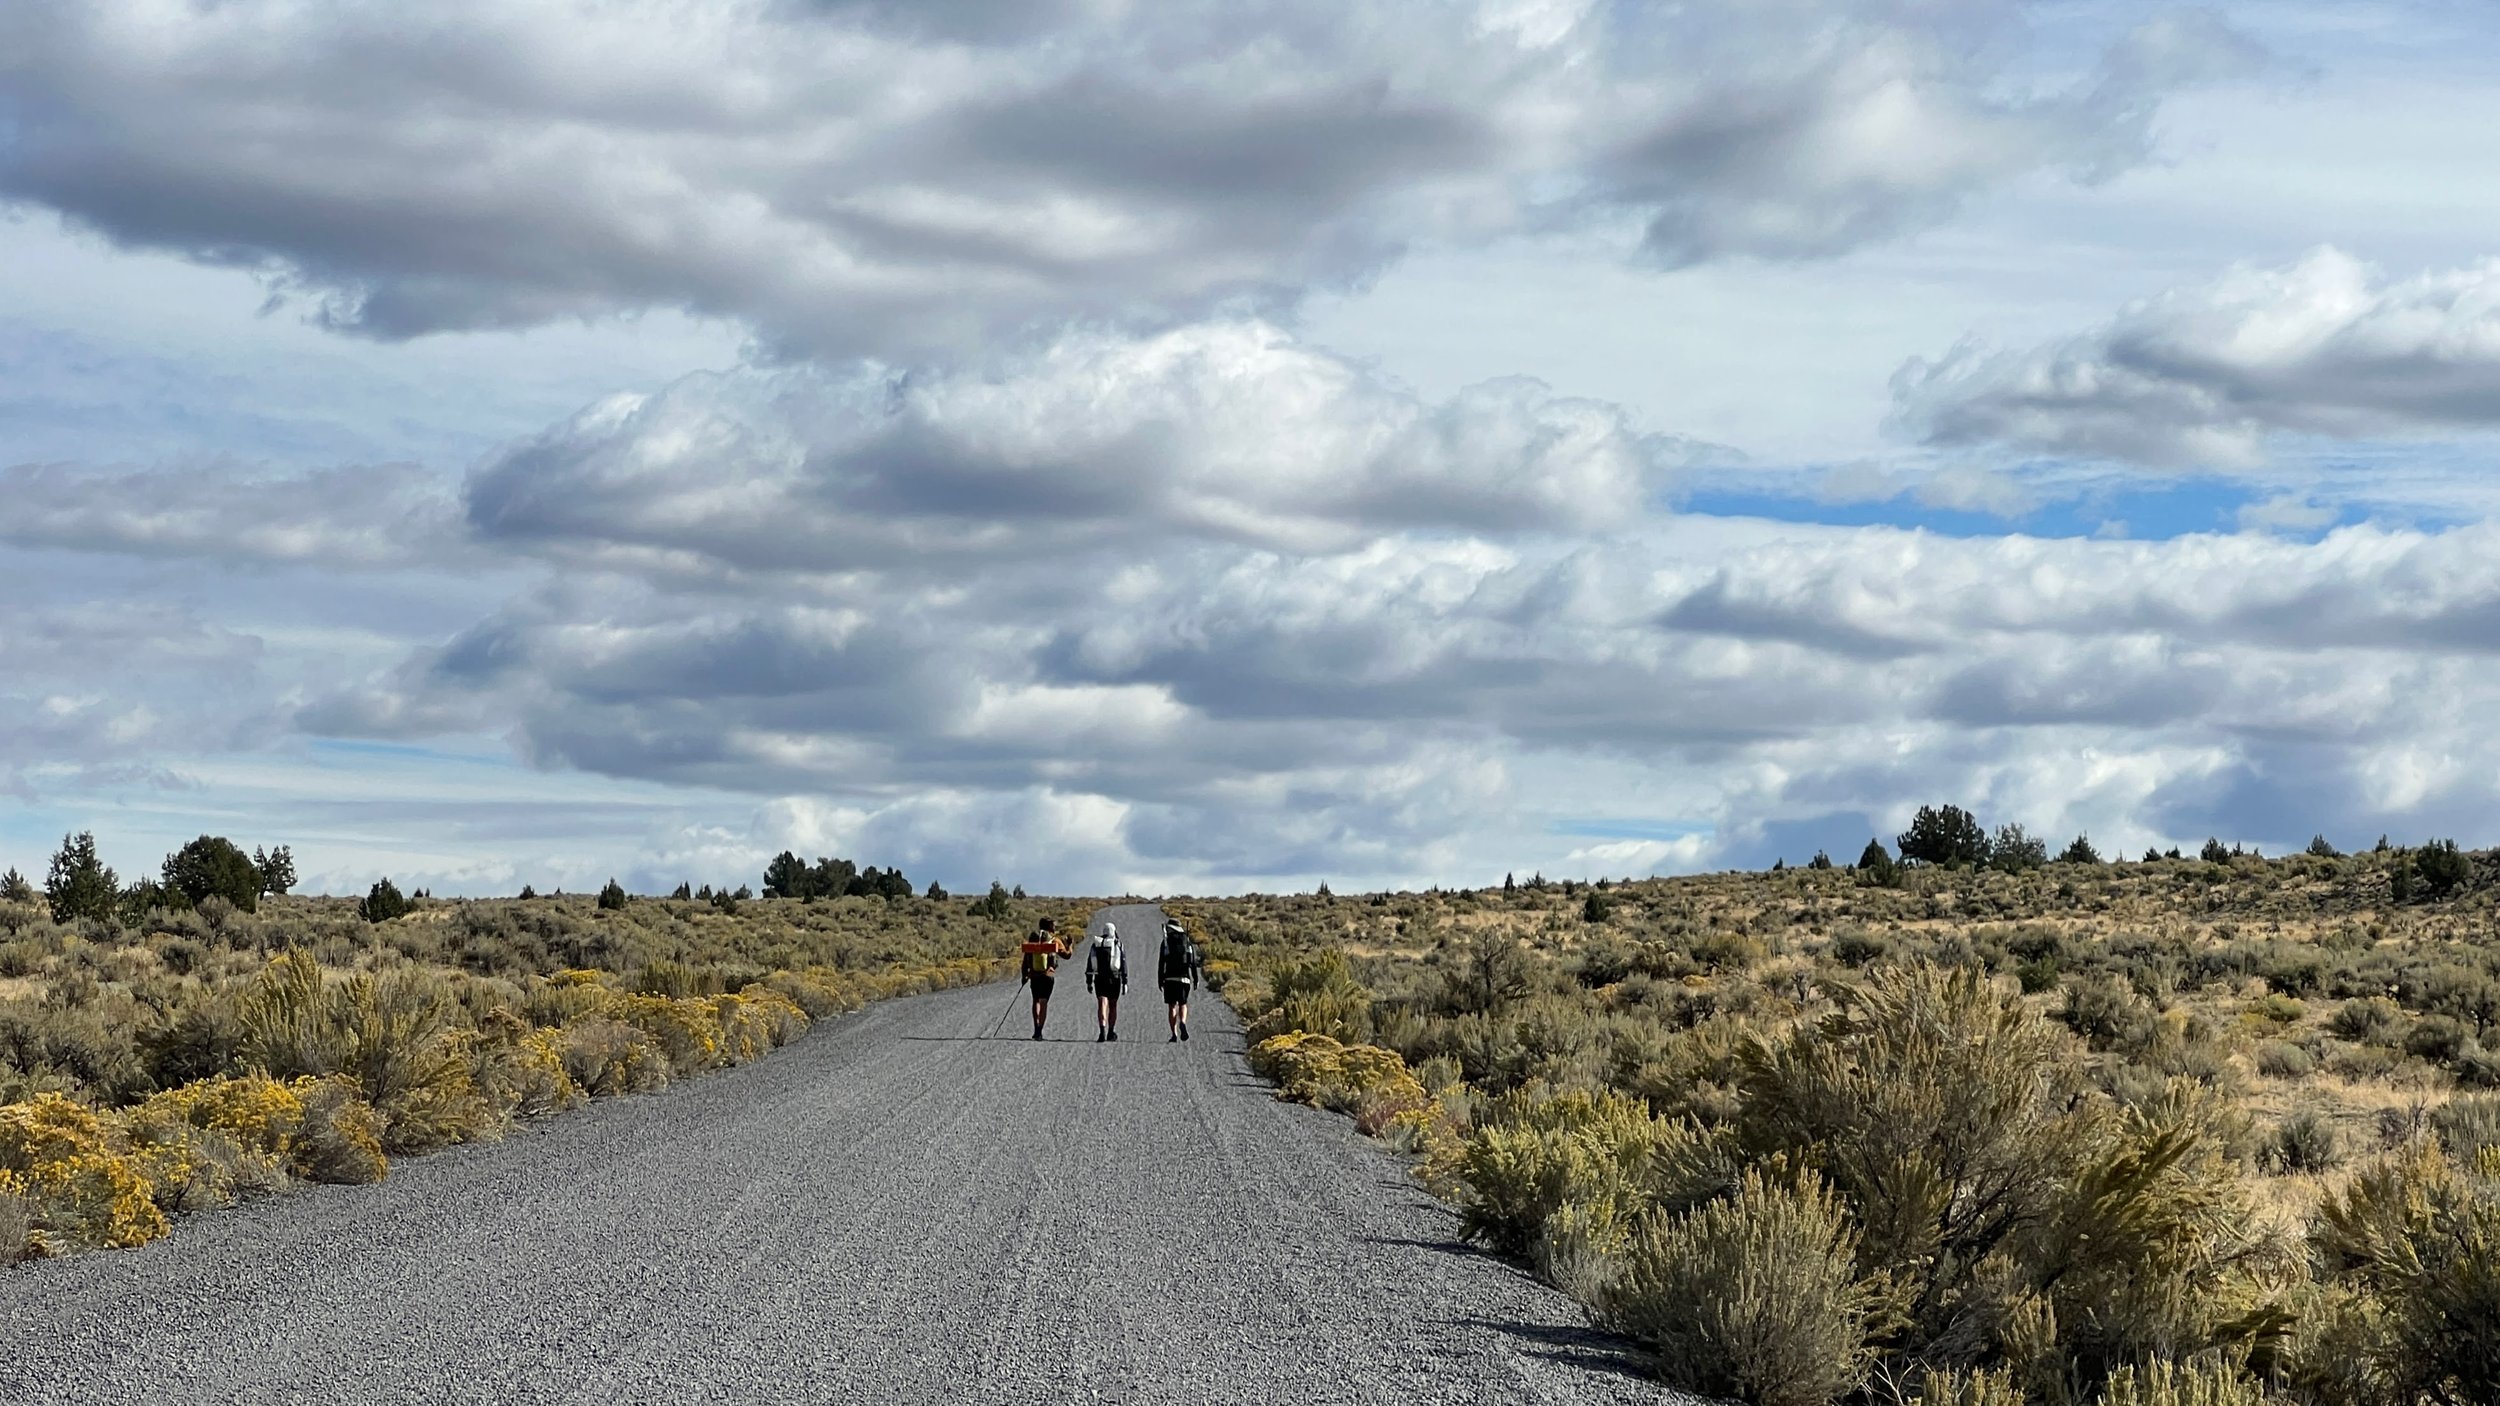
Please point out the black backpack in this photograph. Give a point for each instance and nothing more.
(1176, 958)
(1110, 971)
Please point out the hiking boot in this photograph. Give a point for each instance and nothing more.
(1114, 1035)
(1172, 1039)
(1037, 1032)
(1184, 1030)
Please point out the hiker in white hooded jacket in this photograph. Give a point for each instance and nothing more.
(1106, 972)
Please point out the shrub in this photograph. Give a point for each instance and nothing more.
(686, 1031)
(566, 996)
(2370, 1020)
(2467, 1124)
(2146, 1244)
(399, 1036)
(1531, 1156)
(1755, 1295)
(612, 898)
(1728, 951)
(2304, 1142)
(1923, 1093)
(2100, 1008)
(780, 1018)
(2437, 1039)
(17, 1219)
(2164, 1383)
(817, 993)
(528, 1077)
(1950, 1387)
(70, 1166)
(1315, 1069)
(340, 1140)
(207, 1142)
(2420, 1235)
(1320, 996)
(2278, 1059)
(607, 1056)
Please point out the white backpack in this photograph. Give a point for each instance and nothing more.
(1109, 963)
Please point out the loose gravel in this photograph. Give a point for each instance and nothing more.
(903, 1207)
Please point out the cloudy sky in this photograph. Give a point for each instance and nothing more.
(1194, 447)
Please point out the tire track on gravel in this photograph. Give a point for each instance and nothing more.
(898, 1208)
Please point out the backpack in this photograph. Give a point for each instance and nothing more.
(1110, 968)
(1037, 959)
(1176, 959)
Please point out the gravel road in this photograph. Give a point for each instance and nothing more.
(899, 1208)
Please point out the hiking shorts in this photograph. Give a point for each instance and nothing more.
(1176, 993)
(1041, 986)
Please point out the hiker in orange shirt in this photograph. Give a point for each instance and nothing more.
(1040, 969)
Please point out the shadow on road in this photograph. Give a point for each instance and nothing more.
(1002, 1039)
(1445, 1247)
(1591, 1349)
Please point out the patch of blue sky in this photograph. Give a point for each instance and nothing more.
(2306, 495)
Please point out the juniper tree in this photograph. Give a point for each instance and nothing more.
(78, 885)
(1947, 836)
(994, 903)
(2442, 867)
(214, 865)
(276, 869)
(787, 877)
(382, 902)
(2014, 850)
(2080, 852)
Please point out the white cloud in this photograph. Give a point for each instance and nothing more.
(385, 516)
(2215, 376)
(1226, 431)
(870, 178)
(1382, 713)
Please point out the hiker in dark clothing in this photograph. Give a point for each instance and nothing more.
(1106, 972)
(1040, 970)
(1180, 970)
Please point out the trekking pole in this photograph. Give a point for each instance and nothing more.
(1011, 1010)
